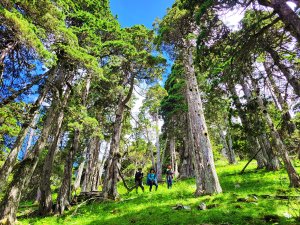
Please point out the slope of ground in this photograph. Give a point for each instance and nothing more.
(256, 197)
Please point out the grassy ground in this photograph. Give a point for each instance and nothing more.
(236, 205)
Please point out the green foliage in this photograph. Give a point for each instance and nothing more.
(10, 118)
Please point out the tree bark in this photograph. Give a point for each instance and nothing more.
(173, 161)
(288, 17)
(80, 171)
(149, 144)
(158, 161)
(103, 160)
(187, 165)
(111, 176)
(45, 200)
(64, 194)
(207, 181)
(231, 153)
(227, 144)
(30, 137)
(91, 175)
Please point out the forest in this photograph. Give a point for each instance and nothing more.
(85, 102)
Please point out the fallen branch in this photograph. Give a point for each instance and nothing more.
(124, 182)
(83, 203)
(243, 170)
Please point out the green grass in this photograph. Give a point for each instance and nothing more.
(156, 207)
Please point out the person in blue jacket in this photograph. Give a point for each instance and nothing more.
(152, 179)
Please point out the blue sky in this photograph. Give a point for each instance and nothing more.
(131, 12)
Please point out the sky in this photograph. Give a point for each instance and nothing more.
(132, 12)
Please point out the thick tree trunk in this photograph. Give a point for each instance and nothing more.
(288, 17)
(85, 94)
(207, 181)
(231, 154)
(227, 144)
(11, 200)
(186, 169)
(12, 157)
(158, 153)
(173, 161)
(150, 148)
(30, 137)
(273, 163)
(91, 175)
(112, 170)
(111, 175)
(45, 200)
(80, 171)
(64, 194)
(103, 160)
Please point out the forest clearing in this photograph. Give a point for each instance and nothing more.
(195, 104)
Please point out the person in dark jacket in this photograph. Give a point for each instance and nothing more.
(169, 176)
(152, 179)
(138, 178)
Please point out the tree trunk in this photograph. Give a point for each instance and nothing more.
(149, 144)
(273, 163)
(31, 134)
(111, 176)
(227, 144)
(11, 200)
(91, 175)
(12, 157)
(287, 125)
(280, 147)
(288, 17)
(80, 171)
(186, 169)
(231, 153)
(45, 201)
(158, 162)
(292, 80)
(103, 160)
(207, 181)
(271, 160)
(260, 159)
(64, 194)
(173, 161)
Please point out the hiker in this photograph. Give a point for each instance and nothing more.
(169, 176)
(152, 179)
(138, 178)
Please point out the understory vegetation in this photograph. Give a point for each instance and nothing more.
(255, 197)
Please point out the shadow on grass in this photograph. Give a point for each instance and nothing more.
(165, 215)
